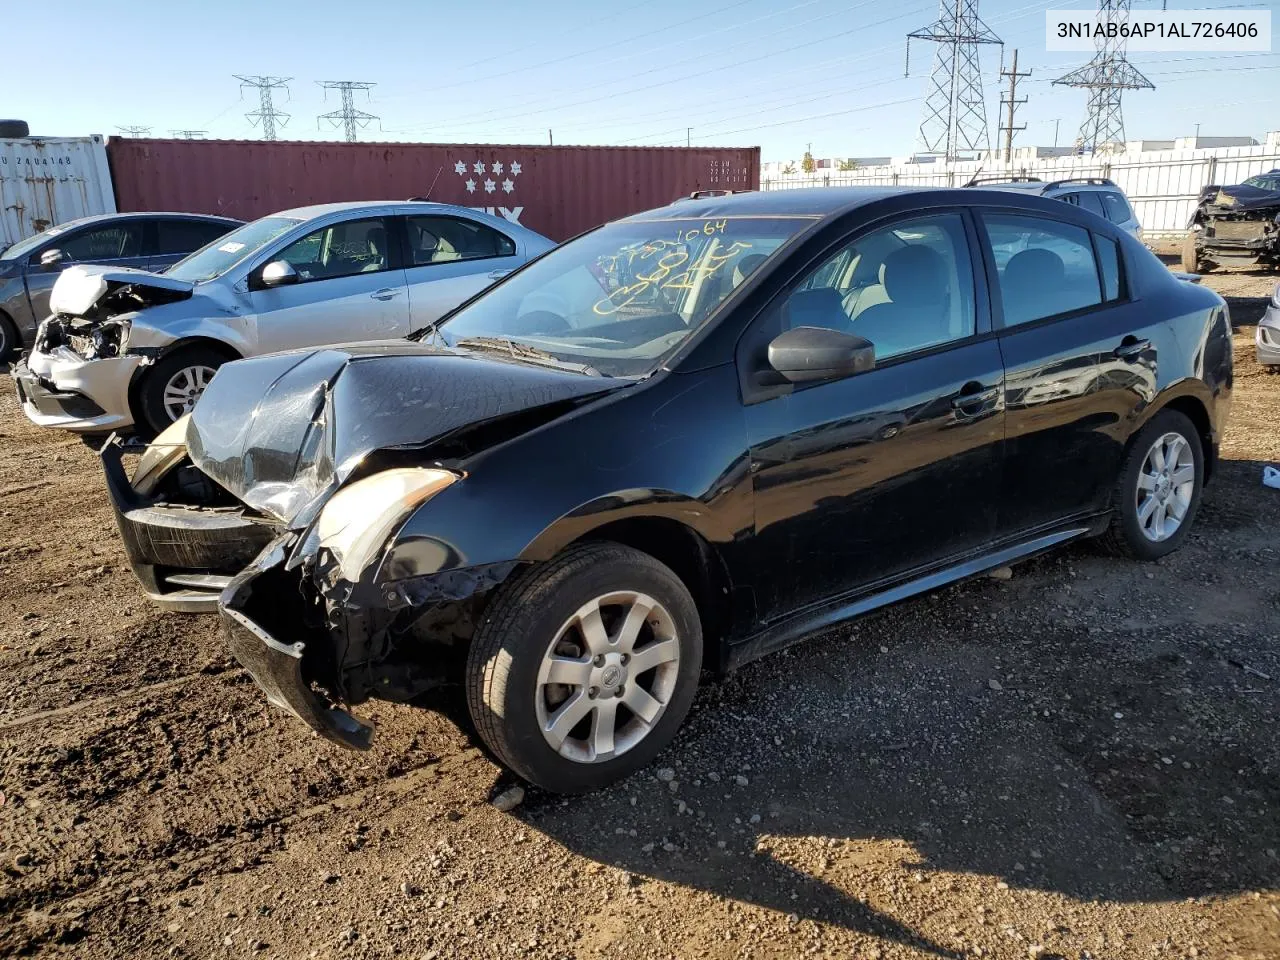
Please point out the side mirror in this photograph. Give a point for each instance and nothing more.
(51, 258)
(279, 273)
(806, 354)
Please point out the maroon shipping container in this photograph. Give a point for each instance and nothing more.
(558, 191)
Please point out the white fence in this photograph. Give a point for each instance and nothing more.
(1162, 185)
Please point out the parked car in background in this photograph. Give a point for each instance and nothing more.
(145, 241)
(127, 349)
(676, 443)
(1235, 226)
(1095, 194)
(1267, 337)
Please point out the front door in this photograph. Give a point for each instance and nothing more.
(869, 478)
(449, 260)
(1080, 360)
(116, 244)
(350, 287)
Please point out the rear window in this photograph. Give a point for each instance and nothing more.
(1116, 207)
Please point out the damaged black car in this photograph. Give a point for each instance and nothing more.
(677, 443)
(1235, 226)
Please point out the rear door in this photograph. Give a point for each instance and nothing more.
(1080, 358)
(117, 243)
(350, 287)
(862, 480)
(172, 238)
(450, 259)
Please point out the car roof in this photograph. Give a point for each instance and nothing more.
(147, 215)
(397, 206)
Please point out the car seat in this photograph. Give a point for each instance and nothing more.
(917, 312)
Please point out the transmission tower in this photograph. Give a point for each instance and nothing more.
(348, 117)
(189, 134)
(955, 115)
(266, 114)
(1106, 77)
(134, 131)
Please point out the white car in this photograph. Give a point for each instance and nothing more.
(127, 349)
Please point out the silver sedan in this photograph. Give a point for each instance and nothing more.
(127, 349)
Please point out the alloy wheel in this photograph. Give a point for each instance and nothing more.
(1166, 486)
(184, 389)
(607, 676)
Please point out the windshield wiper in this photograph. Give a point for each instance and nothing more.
(522, 351)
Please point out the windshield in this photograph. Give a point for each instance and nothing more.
(23, 247)
(622, 298)
(216, 258)
(1267, 181)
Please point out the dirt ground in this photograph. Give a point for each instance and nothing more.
(1080, 762)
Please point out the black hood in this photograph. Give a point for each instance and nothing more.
(282, 432)
(1246, 197)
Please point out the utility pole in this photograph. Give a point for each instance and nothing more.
(134, 131)
(1055, 121)
(189, 134)
(551, 140)
(347, 116)
(267, 115)
(955, 114)
(1012, 104)
(688, 136)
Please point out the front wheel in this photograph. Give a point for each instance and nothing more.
(175, 383)
(1190, 257)
(1159, 490)
(583, 668)
(9, 339)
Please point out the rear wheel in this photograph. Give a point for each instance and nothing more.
(175, 383)
(1190, 257)
(1159, 490)
(583, 669)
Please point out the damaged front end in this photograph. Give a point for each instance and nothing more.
(1237, 226)
(316, 461)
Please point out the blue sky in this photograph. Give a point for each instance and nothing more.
(778, 73)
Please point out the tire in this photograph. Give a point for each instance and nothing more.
(508, 694)
(10, 341)
(197, 362)
(1190, 258)
(1126, 535)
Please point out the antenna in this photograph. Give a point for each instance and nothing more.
(348, 117)
(1106, 77)
(134, 131)
(1012, 104)
(955, 115)
(266, 114)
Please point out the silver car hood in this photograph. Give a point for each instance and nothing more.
(79, 289)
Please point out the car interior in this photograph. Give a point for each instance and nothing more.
(340, 250)
(444, 239)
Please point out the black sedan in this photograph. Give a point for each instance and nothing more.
(677, 443)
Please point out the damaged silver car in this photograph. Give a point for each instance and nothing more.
(126, 349)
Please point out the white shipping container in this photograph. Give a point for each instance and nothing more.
(45, 181)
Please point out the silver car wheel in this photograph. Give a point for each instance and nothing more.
(184, 389)
(607, 677)
(1166, 486)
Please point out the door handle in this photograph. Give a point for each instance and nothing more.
(498, 274)
(386, 293)
(1132, 348)
(975, 398)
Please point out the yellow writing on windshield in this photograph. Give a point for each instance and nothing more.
(658, 262)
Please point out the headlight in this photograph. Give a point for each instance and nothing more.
(164, 453)
(357, 521)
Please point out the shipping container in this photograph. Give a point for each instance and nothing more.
(45, 181)
(558, 191)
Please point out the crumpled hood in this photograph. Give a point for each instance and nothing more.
(79, 289)
(1246, 197)
(282, 432)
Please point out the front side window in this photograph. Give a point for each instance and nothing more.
(1045, 267)
(219, 256)
(624, 297)
(446, 239)
(905, 287)
(115, 242)
(340, 250)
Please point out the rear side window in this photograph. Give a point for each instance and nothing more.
(1087, 201)
(1109, 266)
(445, 239)
(1045, 267)
(185, 236)
(1116, 207)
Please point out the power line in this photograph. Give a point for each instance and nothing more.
(267, 115)
(347, 116)
(955, 115)
(1106, 77)
(134, 131)
(189, 134)
(1012, 104)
